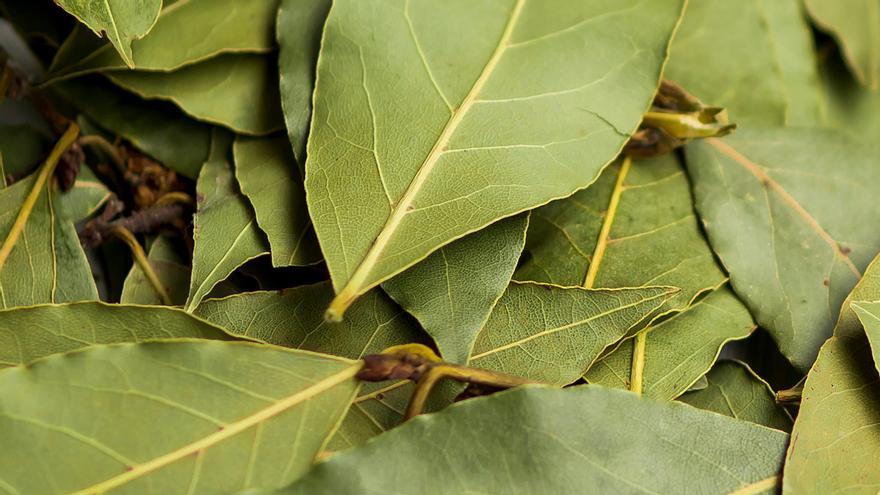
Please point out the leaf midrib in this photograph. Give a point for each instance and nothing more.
(229, 431)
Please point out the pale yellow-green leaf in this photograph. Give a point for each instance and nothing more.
(869, 315)
(171, 269)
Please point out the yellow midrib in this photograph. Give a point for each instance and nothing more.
(229, 431)
(357, 283)
(758, 486)
(607, 222)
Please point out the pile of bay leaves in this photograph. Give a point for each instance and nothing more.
(439, 246)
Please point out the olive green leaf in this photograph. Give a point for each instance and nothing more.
(171, 269)
(157, 128)
(701, 384)
(185, 32)
(452, 291)
(121, 21)
(634, 227)
(299, 29)
(769, 199)
(33, 332)
(680, 349)
(207, 416)
(851, 106)
(869, 315)
(736, 391)
(856, 27)
(47, 264)
(294, 318)
(756, 59)
(272, 180)
(553, 334)
(542, 440)
(384, 194)
(836, 427)
(22, 146)
(238, 91)
(225, 232)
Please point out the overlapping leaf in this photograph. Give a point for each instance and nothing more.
(734, 390)
(384, 194)
(869, 315)
(205, 416)
(530, 441)
(851, 107)
(770, 201)
(856, 27)
(171, 270)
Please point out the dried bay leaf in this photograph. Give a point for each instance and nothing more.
(836, 427)
(553, 334)
(120, 21)
(384, 194)
(543, 440)
(452, 292)
(869, 314)
(272, 179)
(734, 390)
(856, 27)
(186, 32)
(225, 232)
(22, 146)
(170, 268)
(294, 318)
(213, 417)
(34, 332)
(238, 91)
(770, 202)
(680, 349)
(756, 59)
(851, 107)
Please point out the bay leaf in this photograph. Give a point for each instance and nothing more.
(735, 390)
(120, 21)
(299, 29)
(836, 427)
(294, 318)
(651, 234)
(246, 84)
(211, 417)
(225, 232)
(22, 147)
(755, 59)
(554, 334)
(156, 128)
(869, 314)
(851, 106)
(47, 264)
(171, 269)
(528, 441)
(186, 32)
(452, 292)
(856, 27)
(272, 180)
(384, 192)
(771, 202)
(33, 332)
(680, 349)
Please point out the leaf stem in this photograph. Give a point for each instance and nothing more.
(27, 206)
(143, 262)
(602, 243)
(638, 363)
(105, 146)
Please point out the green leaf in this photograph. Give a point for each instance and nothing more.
(225, 232)
(293, 318)
(513, 112)
(543, 440)
(299, 29)
(157, 128)
(185, 32)
(211, 417)
(770, 201)
(735, 390)
(33, 332)
(651, 234)
(851, 107)
(452, 291)
(869, 315)
(678, 350)
(272, 180)
(856, 27)
(22, 146)
(171, 269)
(553, 334)
(836, 427)
(121, 21)
(47, 264)
(238, 91)
(756, 59)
